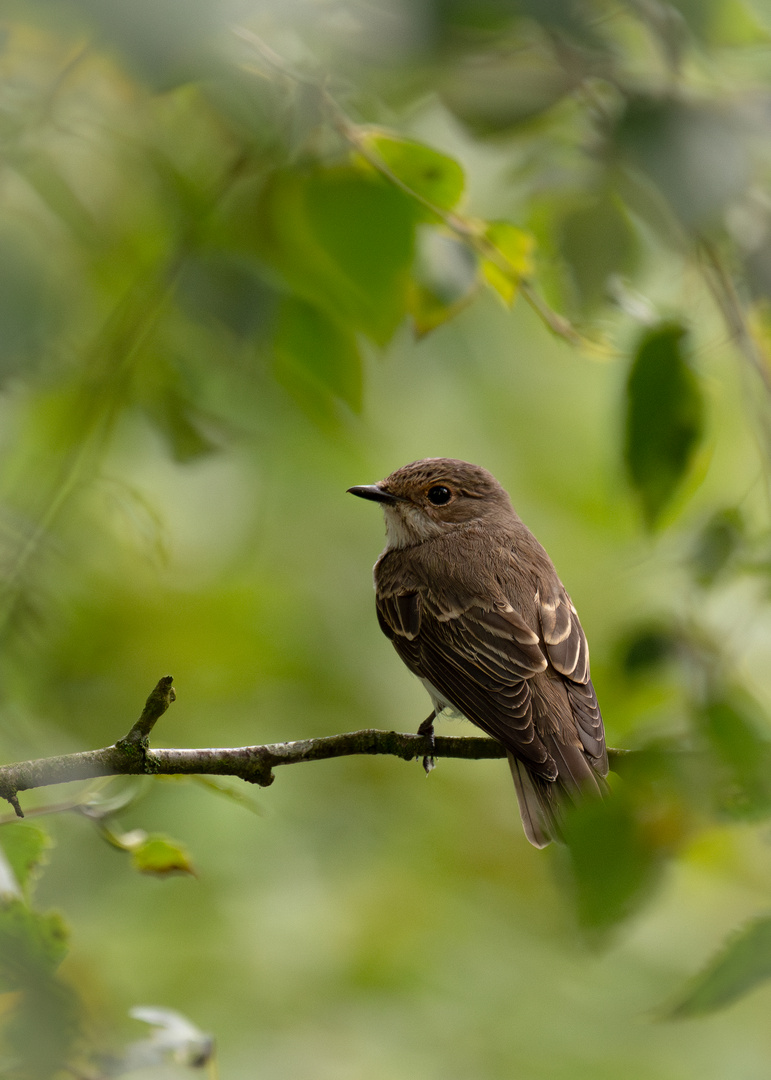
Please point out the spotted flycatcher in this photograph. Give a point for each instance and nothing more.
(475, 609)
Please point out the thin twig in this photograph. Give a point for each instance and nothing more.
(727, 299)
(730, 306)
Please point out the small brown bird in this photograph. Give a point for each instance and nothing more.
(476, 610)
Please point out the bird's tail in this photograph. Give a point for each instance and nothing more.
(534, 809)
(541, 801)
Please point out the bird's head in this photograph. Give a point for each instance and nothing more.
(428, 498)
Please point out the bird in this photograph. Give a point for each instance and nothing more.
(474, 607)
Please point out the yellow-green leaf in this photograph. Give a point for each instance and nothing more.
(26, 848)
(429, 311)
(512, 260)
(435, 177)
(158, 854)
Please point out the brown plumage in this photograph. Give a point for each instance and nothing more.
(476, 610)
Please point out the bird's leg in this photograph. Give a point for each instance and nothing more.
(427, 728)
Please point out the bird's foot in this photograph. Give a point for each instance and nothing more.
(427, 728)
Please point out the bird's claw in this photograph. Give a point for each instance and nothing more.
(427, 728)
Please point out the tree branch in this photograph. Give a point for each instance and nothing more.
(251, 763)
(131, 757)
(155, 706)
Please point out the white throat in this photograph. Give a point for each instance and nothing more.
(406, 525)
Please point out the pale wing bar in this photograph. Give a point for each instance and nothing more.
(563, 636)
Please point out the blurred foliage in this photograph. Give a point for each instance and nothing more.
(744, 962)
(41, 1018)
(251, 254)
(664, 417)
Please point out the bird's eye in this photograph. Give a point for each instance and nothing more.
(439, 495)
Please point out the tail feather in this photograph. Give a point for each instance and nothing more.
(534, 809)
(541, 801)
(576, 774)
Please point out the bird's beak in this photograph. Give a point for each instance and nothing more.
(375, 493)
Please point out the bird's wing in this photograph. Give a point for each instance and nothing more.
(568, 653)
(480, 661)
(399, 614)
(562, 634)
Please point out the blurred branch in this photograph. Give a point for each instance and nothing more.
(727, 299)
(729, 303)
(255, 764)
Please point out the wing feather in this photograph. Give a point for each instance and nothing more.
(563, 636)
(586, 713)
(483, 661)
(399, 613)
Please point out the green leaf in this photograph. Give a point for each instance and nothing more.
(41, 1025)
(498, 94)
(513, 259)
(738, 744)
(717, 542)
(743, 963)
(315, 354)
(227, 288)
(646, 648)
(727, 22)
(26, 848)
(435, 177)
(614, 860)
(158, 854)
(29, 941)
(597, 240)
(341, 239)
(177, 421)
(40, 1021)
(664, 417)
